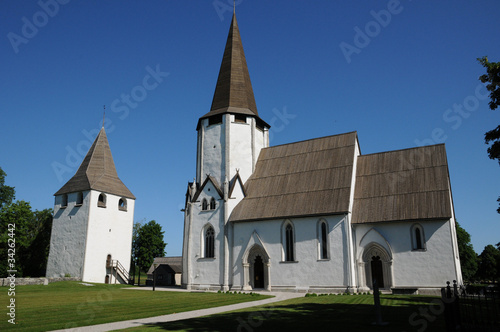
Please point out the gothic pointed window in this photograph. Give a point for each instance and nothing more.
(204, 204)
(212, 204)
(288, 240)
(417, 237)
(323, 240)
(209, 242)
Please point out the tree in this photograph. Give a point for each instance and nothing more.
(488, 263)
(31, 232)
(468, 257)
(149, 244)
(38, 251)
(7, 194)
(135, 250)
(492, 80)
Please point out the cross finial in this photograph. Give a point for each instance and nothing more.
(104, 115)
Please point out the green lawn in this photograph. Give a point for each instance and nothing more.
(322, 313)
(69, 304)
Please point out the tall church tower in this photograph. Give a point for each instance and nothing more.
(231, 135)
(93, 220)
(230, 138)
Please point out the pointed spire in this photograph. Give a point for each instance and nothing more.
(233, 92)
(97, 171)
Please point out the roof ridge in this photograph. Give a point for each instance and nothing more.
(312, 139)
(400, 150)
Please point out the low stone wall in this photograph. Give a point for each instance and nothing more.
(35, 281)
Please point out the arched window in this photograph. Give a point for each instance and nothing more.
(209, 242)
(323, 240)
(204, 204)
(417, 237)
(79, 198)
(101, 202)
(212, 204)
(122, 204)
(64, 200)
(288, 240)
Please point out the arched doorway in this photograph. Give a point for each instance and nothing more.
(375, 264)
(256, 269)
(106, 280)
(258, 272)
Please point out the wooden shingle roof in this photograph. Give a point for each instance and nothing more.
(300, 179)
(97, 172)
(411, 184)
(233, 91)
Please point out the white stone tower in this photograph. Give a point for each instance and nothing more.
(93, 220)
(230, 138)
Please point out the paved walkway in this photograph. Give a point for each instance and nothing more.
(182, 315)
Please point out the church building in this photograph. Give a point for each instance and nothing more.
(93, 219)
(310, 216)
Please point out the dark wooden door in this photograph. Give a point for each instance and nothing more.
(377, 271)
(258, 273)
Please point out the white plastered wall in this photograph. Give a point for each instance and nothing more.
(68, 237)
(205, 272)
(109, 233)
(429, 268)
(308, 271)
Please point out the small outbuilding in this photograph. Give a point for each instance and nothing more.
(168, 271)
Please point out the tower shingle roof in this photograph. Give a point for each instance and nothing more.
(233, 91)
(97, 172)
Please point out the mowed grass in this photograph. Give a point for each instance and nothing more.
(322, 313)
(70, 304)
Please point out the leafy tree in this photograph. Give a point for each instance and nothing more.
(492, 80)
(468, 257)
(149, 244)
(31, 234)
(135, 250)
(20, 215)
(488, 263)
(38, 251)
(7, 193)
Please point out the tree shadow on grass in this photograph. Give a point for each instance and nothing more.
(419, 316)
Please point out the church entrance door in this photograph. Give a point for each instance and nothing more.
(377, 271)
(258, 272)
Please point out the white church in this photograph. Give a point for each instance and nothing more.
(310, 216)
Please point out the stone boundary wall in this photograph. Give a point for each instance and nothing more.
(35, 281)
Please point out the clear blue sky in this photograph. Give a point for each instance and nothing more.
(400, 73)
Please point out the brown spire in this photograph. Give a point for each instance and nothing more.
(97, 172)
(233, 92)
